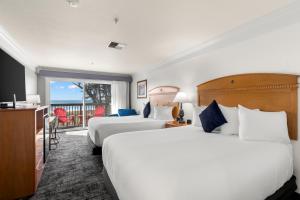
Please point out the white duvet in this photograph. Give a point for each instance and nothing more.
(187, 164)
(101, 127)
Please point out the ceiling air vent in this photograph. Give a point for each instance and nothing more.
(117, 45)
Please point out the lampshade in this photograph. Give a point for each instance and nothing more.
(33, 98)
(181, 97)
(73, 3)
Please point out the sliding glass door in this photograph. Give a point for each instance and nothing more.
(74, 103)
(66, 102)
(97, 100)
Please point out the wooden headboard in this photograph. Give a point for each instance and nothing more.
(268, 92)
(164, 96)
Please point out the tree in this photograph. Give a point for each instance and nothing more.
(98, 93)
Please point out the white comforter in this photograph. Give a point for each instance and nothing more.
(101, 127)
(187, 164)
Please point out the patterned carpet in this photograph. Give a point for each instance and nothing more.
(71, 172)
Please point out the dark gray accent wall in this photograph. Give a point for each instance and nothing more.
(81, 74)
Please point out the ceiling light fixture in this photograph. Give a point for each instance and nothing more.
(117, 45)
(73, 3)
(116, 20)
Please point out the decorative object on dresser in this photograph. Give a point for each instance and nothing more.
(173, 124)
(14, 102)
(33, 99)
(3, 105)
(181, 98)
(21, 150)
(141, 89)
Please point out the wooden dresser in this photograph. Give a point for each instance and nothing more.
(21, 151)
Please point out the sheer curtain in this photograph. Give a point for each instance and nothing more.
(119, 95)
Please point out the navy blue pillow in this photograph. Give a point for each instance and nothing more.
(126, 112)
(147, 110)
(212, 117)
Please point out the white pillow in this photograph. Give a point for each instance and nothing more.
(263, 126)
(232, 117)
(163, 113)
(196, 112)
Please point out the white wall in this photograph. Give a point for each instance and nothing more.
(276, 50)
(30, 81)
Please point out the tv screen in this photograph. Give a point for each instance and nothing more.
(12, 78)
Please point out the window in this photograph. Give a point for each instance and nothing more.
(80, 101)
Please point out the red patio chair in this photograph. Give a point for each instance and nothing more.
(62, 117)
(100, 111)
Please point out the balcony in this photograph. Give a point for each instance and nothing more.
(74, 113)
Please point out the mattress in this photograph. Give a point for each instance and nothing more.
(186, 163)
(101, 127)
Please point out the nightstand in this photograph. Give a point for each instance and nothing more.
(172, 124)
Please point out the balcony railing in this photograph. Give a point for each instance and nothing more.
(74, 113)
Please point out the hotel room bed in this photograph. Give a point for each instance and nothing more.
(101, 127)
(186, 163)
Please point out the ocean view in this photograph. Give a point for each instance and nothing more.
(69, 96)
(69, 101)
(56, 103)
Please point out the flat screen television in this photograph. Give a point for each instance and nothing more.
(12, 78)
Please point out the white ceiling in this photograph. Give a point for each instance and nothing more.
(53, 34)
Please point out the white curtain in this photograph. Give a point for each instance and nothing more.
(119, 95)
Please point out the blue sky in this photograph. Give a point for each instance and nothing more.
(64, 91)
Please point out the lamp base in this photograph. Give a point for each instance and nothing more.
(181, 115)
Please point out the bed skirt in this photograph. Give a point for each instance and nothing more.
(94, 149)
(109, 186)
(283, 193)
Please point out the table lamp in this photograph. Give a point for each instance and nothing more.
(33, 99)
(181, 98)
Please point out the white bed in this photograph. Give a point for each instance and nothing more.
(101, 127)
(186, 163)
(162, 96)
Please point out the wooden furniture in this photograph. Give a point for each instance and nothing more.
(268, 92)
(163, 96)
(53, 136)
(21, 151)
(173, 124)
